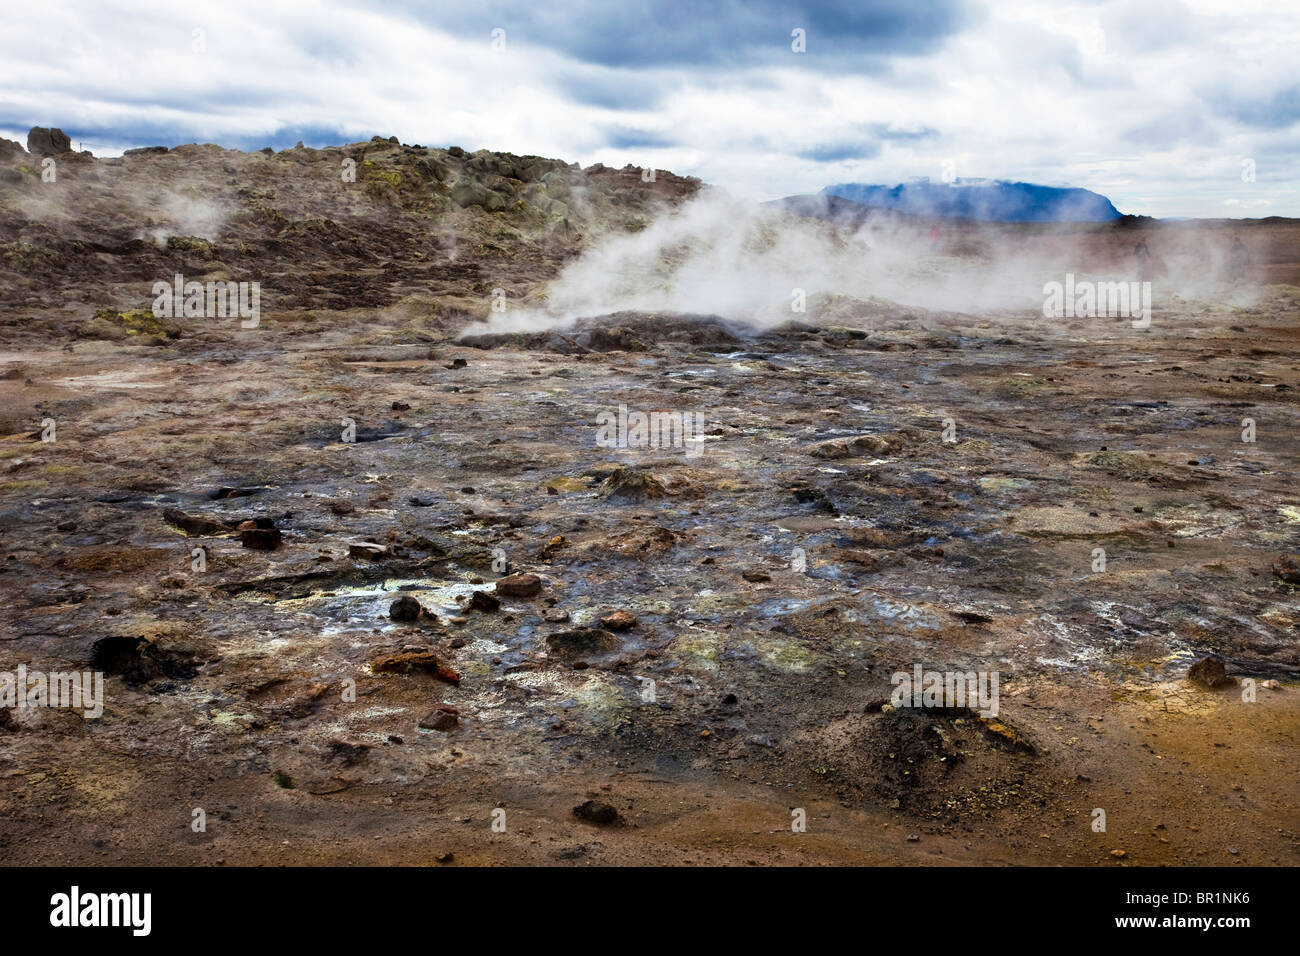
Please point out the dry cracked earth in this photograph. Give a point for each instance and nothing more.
(690, 651)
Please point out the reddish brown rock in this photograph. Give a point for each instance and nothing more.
(422, 661)
(482, 601)
(618, 621)
(1287, 567)
(519, 585)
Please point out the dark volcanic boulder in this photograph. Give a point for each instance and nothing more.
(47, 142)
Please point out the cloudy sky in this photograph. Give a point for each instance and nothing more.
(1169, 107)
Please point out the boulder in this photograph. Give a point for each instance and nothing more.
(470, 192)
(48, 142)
(519, 585)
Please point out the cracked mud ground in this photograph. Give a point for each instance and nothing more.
(975, 554)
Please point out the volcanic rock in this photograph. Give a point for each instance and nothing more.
(1209, 672)
(519, 585)
(47, 142)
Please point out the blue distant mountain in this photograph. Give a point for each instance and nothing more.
(991, 200)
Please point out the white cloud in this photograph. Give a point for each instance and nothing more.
(1153, 103)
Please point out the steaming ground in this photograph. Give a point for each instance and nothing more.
(326, 688)
(718, 255)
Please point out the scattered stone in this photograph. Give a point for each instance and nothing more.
(1209, 672)
(594, 811)
(66, 526)
(260, 539)
(863, 558)
(618, 621)
(444, 718)
(139, 660)
(194, 524)
(482, 601)
(369, 550)
(1118, 854)
(857, 446)
(405, 608)
(1287, 567)
(401, 407)
(555, 616)
(424, 661)
(519, 585)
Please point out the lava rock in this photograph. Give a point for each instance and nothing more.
(482, 601)
(194, 524)
(48, 142)
(444, 718)
(1287, 567)
(405, 608)
(601, 814)
(260, 539)
(618, 621)
(424, 661)
(139, 660)
(1209, 672)
(519, 585)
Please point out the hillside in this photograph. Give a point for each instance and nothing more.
(430, 230)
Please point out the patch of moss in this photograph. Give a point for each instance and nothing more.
(15, 487)
(116, 326)
(189, 244)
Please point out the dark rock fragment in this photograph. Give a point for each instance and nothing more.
(594, 811)
(1209, 672)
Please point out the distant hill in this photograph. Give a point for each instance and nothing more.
(982, 199)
